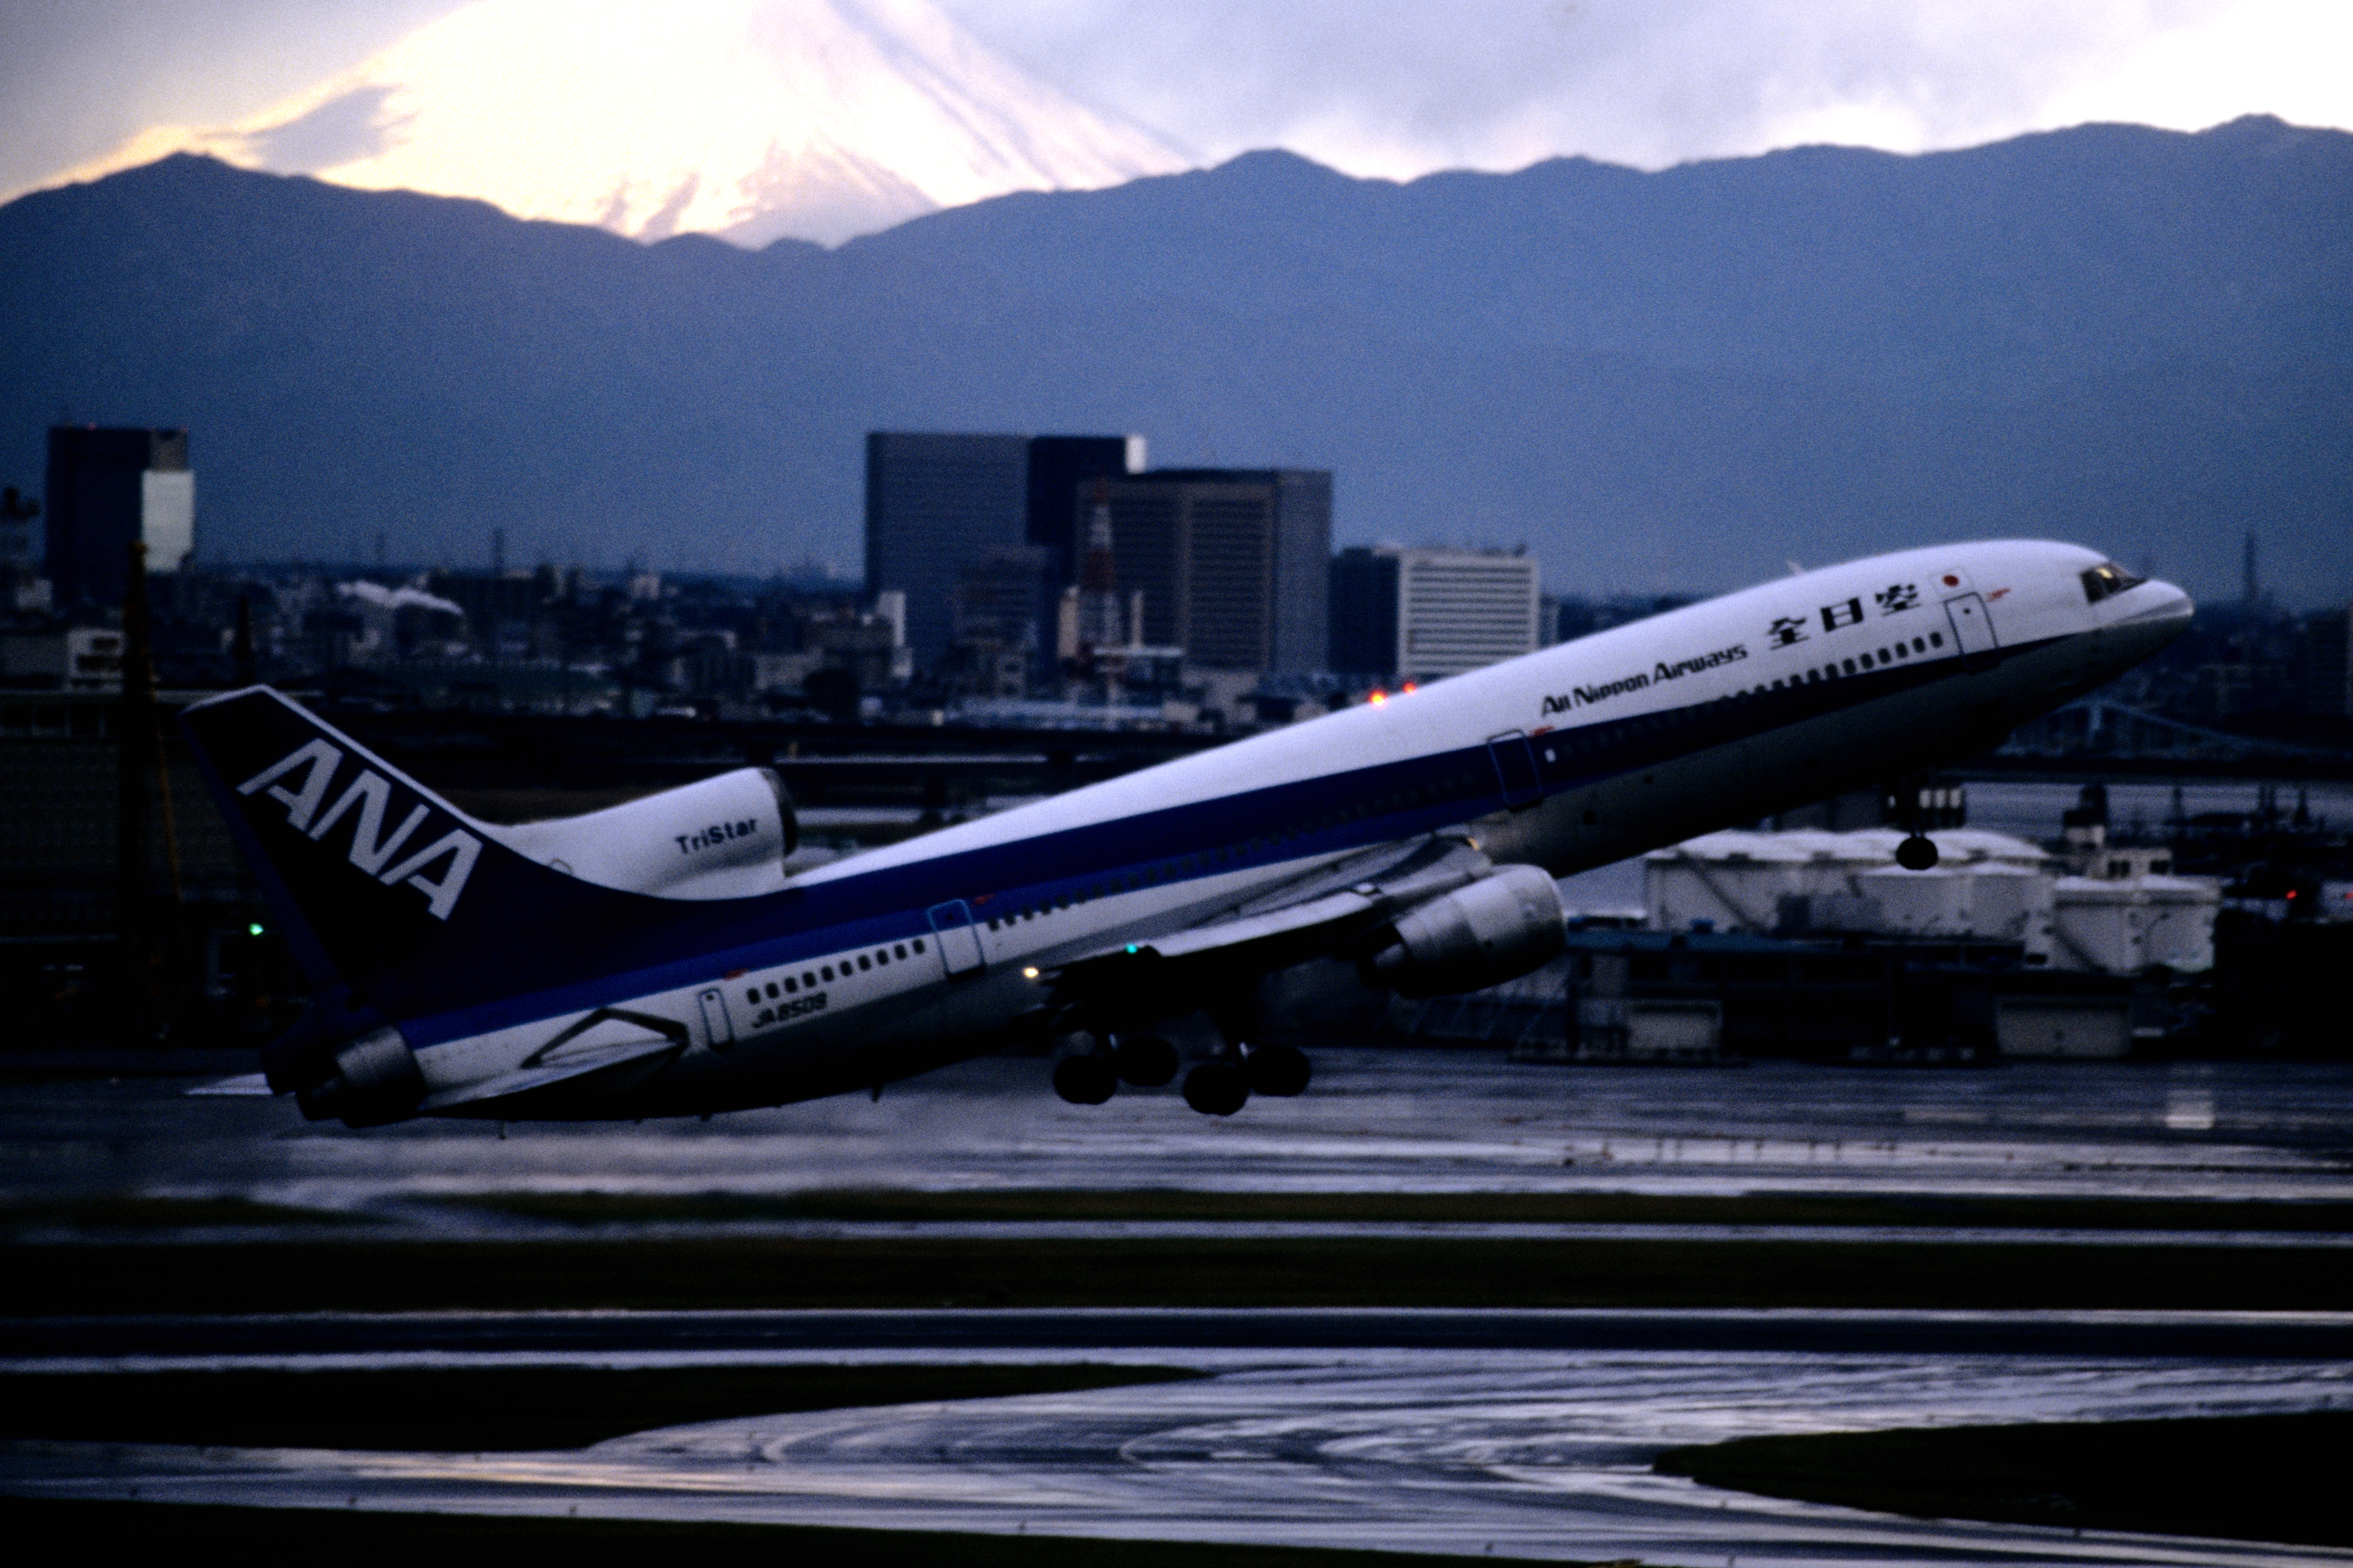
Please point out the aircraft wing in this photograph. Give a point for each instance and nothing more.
(1310, 918)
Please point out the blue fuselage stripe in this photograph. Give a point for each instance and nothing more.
(1328, 814)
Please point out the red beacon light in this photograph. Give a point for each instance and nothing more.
(1409, 688)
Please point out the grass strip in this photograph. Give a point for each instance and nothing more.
(172, 1531)
(2250, 1478)
(489, 1409)
(333, 1273)
(889, 1205)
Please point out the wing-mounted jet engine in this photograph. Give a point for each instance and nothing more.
(723, 837)
(1496, 928)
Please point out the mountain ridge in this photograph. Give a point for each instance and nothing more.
(754, 119)
(2138, 339)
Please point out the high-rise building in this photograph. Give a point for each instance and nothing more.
(1231, 563)
(938, 505)
(2327, 663)
(1403, 614)
(106, 489)
(1364, 614)
(1060, 468)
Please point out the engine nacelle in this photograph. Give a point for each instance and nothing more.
(1497, 928)
(726, 837)
(376, 1080)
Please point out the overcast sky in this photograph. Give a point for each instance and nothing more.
(1375, 87)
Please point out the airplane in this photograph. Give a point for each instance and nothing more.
(663, 958)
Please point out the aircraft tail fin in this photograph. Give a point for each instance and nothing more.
(394, 901)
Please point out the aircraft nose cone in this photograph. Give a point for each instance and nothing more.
(2160, 612)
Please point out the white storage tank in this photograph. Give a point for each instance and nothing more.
(2178, 929)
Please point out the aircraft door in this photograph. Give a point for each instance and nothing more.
(1514, 756)
(1972, 630)
(959, 943)
(716, 1026)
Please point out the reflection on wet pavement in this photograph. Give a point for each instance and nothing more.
(1377, 1119)
(1539, 1453)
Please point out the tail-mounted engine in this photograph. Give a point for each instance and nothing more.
(376, 1080)
(1494, 929)
(724, 838)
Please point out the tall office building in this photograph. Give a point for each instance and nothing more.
(1060, 470)
(1403, 614)
(1230, 562)
(106, 489)
(938, 505)
(2327, 663)
(1364, 614)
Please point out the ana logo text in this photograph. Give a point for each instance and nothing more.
(367, 801)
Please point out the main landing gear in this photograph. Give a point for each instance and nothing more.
(1147, 1061)
(1217, 1088)
(1222, 1087)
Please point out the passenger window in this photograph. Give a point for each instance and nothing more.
(1935, 639)
(790, 985)
(862, 964)
(753, 996)
(772, 990)
(829, 971)
(810, 980)
(1849, 667)
(901, 949)
(1919, 646)
(882, 955)
(919, 944)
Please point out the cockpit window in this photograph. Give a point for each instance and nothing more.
(2106, 579)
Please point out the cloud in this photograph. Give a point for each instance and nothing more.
(1402, 87)
(1394, 88)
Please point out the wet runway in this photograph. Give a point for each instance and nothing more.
(1443, 1430)
(1377, 1119)
(658, 1337)
(1529, 1452)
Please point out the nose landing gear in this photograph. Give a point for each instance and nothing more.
(1916, 853)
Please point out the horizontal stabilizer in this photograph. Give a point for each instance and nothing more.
(252, 1083)
(528, 1080)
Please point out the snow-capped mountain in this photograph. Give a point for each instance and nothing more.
(753, 120)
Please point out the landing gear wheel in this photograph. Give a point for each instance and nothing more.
(1280, 1070)
(1217, 1089)
(1917, 853)
(1147, 1061)
(1085, 1080)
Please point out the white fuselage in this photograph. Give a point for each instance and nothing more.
(851, 975)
